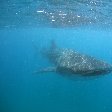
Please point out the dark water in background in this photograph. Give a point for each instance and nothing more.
(22, 91)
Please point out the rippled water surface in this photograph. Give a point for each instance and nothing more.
(55, 13)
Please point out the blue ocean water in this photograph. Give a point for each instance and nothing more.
(20, 90)
(20, 49)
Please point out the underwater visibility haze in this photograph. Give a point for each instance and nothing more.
(51, 55)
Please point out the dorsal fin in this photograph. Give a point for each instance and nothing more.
(53, 45)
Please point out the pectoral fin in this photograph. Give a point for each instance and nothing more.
(44, 70)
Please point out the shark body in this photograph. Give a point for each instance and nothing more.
(68, 61)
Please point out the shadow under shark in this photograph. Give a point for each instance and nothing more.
(70, 62)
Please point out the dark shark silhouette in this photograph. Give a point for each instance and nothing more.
(68, 61)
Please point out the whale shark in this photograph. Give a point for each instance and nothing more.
(71, 62)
